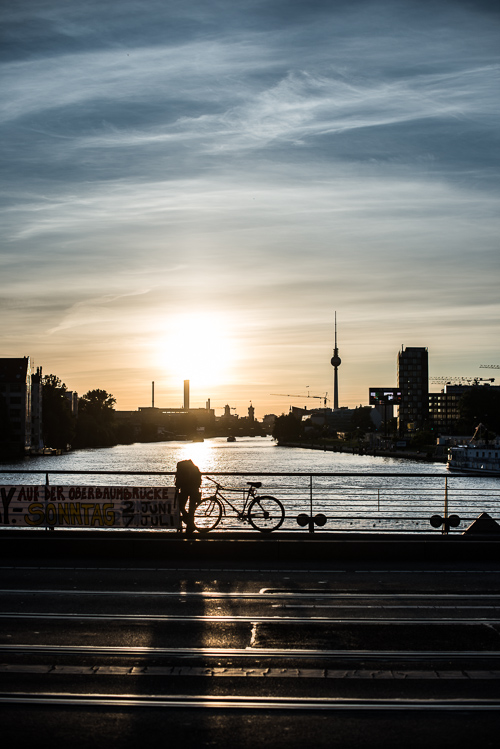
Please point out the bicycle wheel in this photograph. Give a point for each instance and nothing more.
(266, 514)
(207, 514)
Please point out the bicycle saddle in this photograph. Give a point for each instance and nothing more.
(256, 484)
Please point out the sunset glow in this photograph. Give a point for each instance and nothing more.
(192, 190)
(198, 347)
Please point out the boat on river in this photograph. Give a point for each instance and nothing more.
(479, 457)
(474, 460)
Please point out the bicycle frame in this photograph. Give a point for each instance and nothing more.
(263, 512)
(247, 495)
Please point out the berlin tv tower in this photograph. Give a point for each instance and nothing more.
(336, 361)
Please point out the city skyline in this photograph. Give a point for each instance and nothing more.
(191, 192)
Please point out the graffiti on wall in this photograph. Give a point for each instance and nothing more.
(89, 506)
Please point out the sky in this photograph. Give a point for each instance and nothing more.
(192, 190)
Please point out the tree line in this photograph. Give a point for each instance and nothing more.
(93, 425)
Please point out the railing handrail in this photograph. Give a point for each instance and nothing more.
(241, 473)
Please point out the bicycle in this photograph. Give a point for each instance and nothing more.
(264, 513)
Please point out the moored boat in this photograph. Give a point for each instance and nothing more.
(474, 459)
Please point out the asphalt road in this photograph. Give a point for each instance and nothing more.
(285, 654)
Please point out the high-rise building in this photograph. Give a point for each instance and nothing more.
(15, 403)
(413, 381)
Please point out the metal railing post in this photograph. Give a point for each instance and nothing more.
(47, 483)
(445, 513)
(311, 519)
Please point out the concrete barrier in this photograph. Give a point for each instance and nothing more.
(246, 547)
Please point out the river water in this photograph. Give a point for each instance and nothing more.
(247, 454)
(368, 499)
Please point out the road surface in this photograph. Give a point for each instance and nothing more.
(100, 652)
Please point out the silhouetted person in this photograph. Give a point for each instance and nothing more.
(188, 482)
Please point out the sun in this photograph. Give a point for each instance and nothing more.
(198, 347)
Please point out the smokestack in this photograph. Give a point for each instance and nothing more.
(186, 394)
(152, 395)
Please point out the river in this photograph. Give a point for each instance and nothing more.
(247, 454)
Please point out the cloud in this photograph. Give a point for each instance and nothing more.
(269, 161)
(93, 311)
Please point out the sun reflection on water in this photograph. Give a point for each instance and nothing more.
(201, 453)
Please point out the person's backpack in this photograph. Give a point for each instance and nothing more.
(188, 476)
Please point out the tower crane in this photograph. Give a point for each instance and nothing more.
(489, 366)
(324, 397)
(462, 380)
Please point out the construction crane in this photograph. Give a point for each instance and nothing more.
(451, 379)
(489, 366)
(462, 380)
(324, 397)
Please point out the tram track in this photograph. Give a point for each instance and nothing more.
(153, 652)
(222, 619)
(262, 595)
(319, 632)
(242, 702)
(83, 648)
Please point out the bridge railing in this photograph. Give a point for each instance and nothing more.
(376, 502)
(345, 502)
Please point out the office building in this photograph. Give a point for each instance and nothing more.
(445, 407)
(413, 381)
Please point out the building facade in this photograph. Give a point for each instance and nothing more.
(413, 381)
(445, 407)
(17, 383)
(36, 410)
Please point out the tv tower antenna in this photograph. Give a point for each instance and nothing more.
(336, 361)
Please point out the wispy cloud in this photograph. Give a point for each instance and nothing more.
(94, 311)
(272, 161)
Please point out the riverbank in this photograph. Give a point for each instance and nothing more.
(426, 456)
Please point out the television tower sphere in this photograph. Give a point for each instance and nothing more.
(336, 361)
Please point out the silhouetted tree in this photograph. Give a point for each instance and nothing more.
(58, 423)
(97, 402)
(96, 422)
(479, 405)
(287, 428)
(361, 420)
